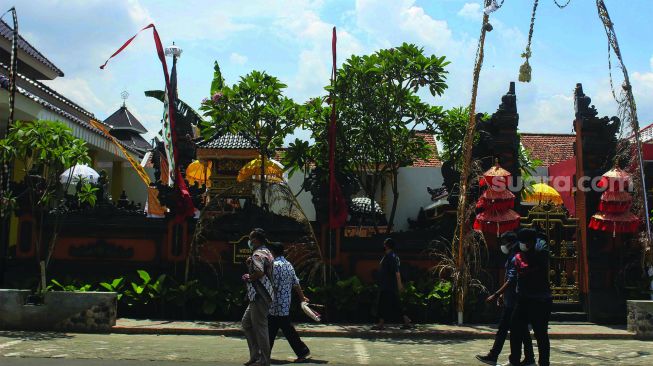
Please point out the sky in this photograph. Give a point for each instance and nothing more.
(291, 40)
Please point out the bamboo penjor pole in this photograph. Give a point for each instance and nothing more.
(461, 217)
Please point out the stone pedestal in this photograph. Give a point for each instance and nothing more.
(640, 318)
(60, 311)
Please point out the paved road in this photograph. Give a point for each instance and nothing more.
(54, 349)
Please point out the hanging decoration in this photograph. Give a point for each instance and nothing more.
(614, 209)
(628, 114)
(525, 68)
(497, 203)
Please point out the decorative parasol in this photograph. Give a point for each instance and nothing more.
(492, 221)
(79, 172)
(625, 222)
(200, 172)
(542, 192)
(496, 176)
(364, 205)
(615, 180)
(614, 209)
(615, 202)
(496, 202)
(273, 170)
(496, 199)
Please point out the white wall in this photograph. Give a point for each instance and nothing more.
(412, 193)
(305, 198)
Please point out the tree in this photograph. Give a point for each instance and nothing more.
(44, 150)
(312, 158)
(254, 108)
(380, 112)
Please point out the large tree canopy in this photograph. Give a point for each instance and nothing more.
(254, 108)
(380, 112)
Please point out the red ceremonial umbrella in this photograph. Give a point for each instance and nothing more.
(625, 222)
(498, 222)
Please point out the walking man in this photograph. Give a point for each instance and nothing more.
(260, 294)
(390, 286)
(506, 295)
(284, 281)
(534, 298)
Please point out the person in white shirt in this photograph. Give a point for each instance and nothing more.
(284, 280)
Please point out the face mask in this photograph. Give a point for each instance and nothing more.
(505, 249)
(523, 247)
(250, 245)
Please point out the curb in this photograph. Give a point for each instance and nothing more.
(434, 335)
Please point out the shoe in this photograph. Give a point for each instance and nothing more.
(250, 362)
(378, 327)
(407, 326)
(527, 363)
(303, 358)
(487, 359)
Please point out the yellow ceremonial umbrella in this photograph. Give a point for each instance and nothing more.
(199, 172)
(273, 170)
(542, 192)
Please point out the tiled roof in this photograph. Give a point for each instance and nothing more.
(135, 140)
(123, 119)
(549, 148)
(432, 162)
(226, 141)
(59, 111)
(49, 92)
(7, 33)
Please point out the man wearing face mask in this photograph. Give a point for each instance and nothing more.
(260, 294)
(506, 295)
(534, 298)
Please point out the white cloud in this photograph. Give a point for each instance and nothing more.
(471, 11)
(79, 91)
(237, 58)
(394, 21)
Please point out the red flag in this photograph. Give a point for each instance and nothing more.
(337, 204)
(185, 206)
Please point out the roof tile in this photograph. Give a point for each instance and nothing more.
(549, 148)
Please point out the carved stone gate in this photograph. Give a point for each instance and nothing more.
(562, 232)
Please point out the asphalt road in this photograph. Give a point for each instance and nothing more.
(54, 349)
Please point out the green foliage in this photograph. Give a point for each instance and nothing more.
(72, 287)
(185, 113)
(528, 166)
(451, 133)
(255, 108)
(379, 111)
(87, 194)
(117, 285)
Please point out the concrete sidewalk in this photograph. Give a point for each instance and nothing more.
(431, 331)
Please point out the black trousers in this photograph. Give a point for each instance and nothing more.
(389, 306)
(283, 322)
(537, 314)
(502, 334)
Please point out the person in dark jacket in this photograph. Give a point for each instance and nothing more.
(390, 285)
(506, 296)
(534, 298)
